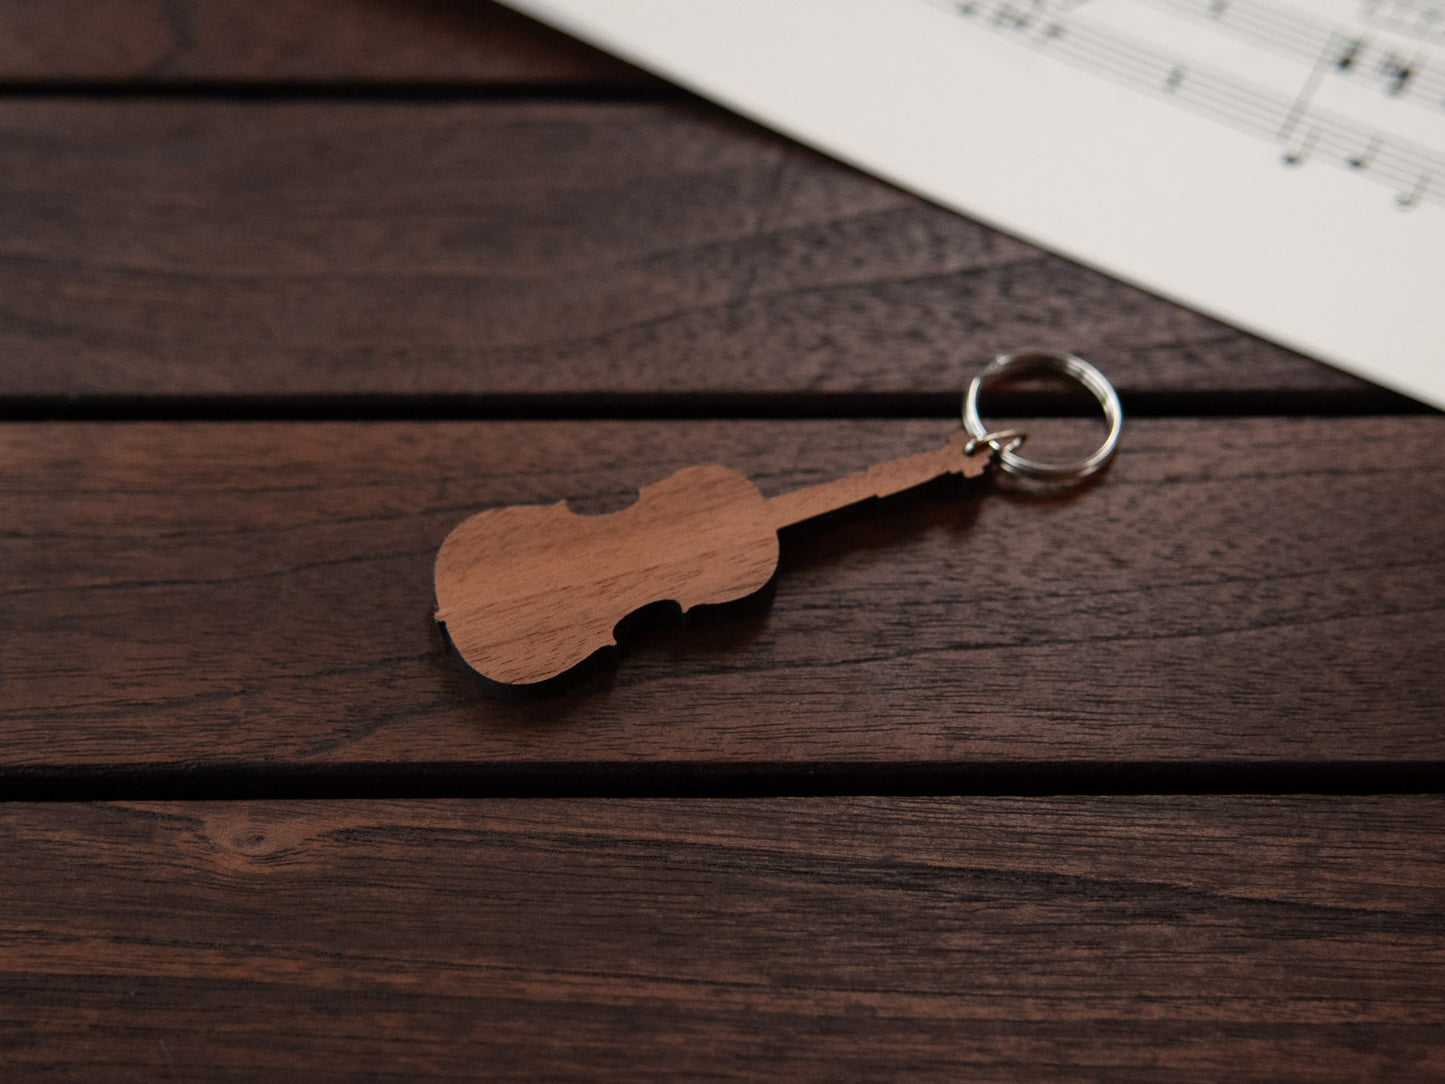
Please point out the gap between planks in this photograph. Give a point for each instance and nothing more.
(594, 406)
(741, 781)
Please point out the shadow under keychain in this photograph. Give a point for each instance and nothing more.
(529, 592)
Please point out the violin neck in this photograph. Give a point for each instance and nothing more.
(881, 480)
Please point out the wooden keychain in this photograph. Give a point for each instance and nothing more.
(528, 592)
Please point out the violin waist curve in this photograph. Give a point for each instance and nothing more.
(527, 592)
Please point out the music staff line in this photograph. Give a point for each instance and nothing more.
(1305, 133)
(1423, 20)
(1410, 78)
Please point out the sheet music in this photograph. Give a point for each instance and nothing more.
(1278, 165)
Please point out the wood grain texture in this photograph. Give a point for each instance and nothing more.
(261, 594)
(269, 248)
(528, 592)
(177, 42)
(220, 602)
(1191, 938)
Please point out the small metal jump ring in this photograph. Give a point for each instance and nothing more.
(1034, 361)
(1000, 440)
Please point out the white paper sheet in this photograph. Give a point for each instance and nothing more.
(1279, 167)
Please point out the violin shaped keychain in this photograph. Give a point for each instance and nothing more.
(528, 592)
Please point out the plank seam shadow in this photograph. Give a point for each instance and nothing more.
(601, 779)
(650, 406)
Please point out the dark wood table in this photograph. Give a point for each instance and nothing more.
(1138, 781)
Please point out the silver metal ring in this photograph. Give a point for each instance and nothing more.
(1027, 361)
(996, 440)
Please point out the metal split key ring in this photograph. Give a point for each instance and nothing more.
(1005, 442)
(528, 593)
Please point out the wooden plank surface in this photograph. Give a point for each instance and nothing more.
(182, 42)
(443, 207)
(295, 249)
(260, 594)
(1193, 938)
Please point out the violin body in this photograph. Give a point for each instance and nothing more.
(528, 592)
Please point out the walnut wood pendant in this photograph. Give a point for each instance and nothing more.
(528, 592)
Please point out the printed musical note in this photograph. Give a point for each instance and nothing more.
(1300, 154)
(1363, 159)
(1305, 130)
(1294, 36)
(1349, 54)
(1410, 199)
(1397, 73)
